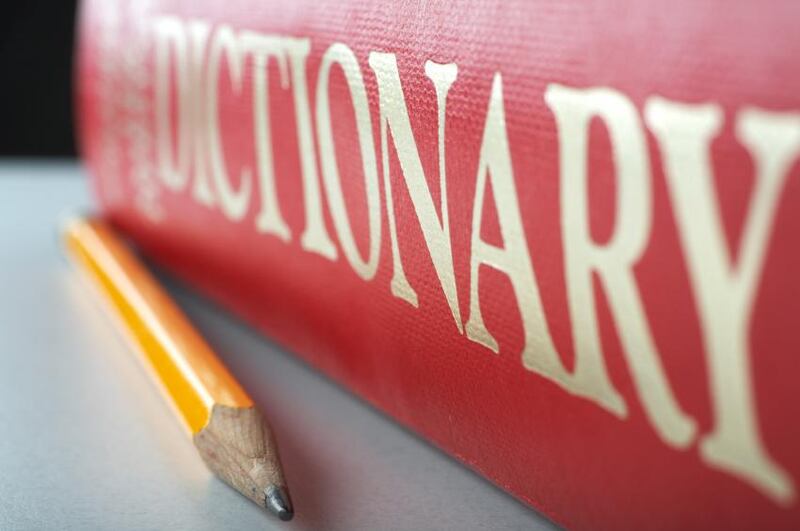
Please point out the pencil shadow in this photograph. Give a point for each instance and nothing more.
(260, 367)
(344, 469)
(306, 479)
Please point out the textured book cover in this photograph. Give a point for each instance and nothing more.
(558, 240)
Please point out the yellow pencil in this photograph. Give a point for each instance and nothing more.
(226, 428)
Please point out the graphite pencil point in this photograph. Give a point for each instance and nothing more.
(278, 502)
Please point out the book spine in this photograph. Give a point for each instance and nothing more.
(559, 241)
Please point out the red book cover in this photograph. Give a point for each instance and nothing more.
(558, 240)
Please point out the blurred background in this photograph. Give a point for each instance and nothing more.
(36, 48)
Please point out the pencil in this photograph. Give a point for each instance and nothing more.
(227, 430)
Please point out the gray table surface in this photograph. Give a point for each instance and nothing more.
(87, 442)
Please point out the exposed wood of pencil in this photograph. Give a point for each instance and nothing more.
(227, 430)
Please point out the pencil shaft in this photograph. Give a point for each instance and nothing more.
(185, 365)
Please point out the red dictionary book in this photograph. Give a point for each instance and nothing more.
(559, 240)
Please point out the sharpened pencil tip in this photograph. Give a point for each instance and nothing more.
(277, 501)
